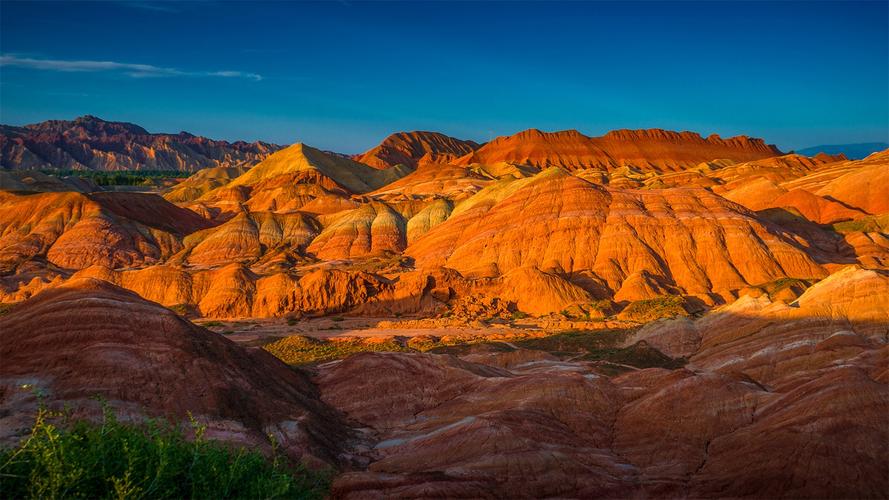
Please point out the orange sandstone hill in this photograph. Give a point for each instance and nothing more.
(686, 238)
(655, 149)
(73, 230)
(298, 177)
(241, 241)
(766, 378)
(416, 148)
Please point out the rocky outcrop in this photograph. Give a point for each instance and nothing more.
(90, 143)
(416, 148)
(300, 161)
(690, 238)
(234, 291)
(793, 405)
(202, 182)
(73, 231)
(372, 229)
(654, 149)
(824, 189)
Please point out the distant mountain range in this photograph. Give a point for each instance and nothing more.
(91, 143)
(852, 151)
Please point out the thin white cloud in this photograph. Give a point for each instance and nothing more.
(132, 70)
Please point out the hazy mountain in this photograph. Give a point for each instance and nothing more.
(852, 151)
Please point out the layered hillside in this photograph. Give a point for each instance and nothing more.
(654, 149)
(447, 238)
(71, 230)
(686, 238)
(416, 148)
(777, 401)
(202, 182)
(331, 172)
(773, 400)
(90, 143)
(89, 338)
(634, 316)
(298, 177)
(823, 189)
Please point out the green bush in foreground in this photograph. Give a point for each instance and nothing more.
(116, 460)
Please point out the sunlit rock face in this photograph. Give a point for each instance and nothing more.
(654, 149)
(655, 314)
(692, 238)
(416, 148)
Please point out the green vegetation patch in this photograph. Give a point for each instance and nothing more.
(796, 285)
(870, 224)
(604, 346)
(643, 311)
(462, 348)
(640, 355)
(576, 342)
(300, 349)
(6, 307)
(120, 177)
(591, 345)
(65, 459)
(181, 309)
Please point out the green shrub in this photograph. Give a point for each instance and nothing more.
(181, 309)
(6, 307)
(300, 349)
(667, 306)
(519, 315)
(119, 177)
(638, 356)
(870, 224)
(114, 460)
(578, 341)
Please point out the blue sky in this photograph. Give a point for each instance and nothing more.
(343, 75)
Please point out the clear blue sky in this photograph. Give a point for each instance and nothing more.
(343, 75)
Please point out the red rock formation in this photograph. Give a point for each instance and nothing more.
(370, 230)
(90, 338)
(786, 409)
(689, 238)
(234, 291)
(202, 182)
(823, 189)
(655, 149)
(416, 148)
(74, 231)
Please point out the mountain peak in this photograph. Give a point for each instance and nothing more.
(413, 148)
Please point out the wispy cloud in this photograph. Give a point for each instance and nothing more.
(129, 69)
